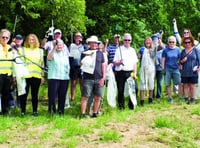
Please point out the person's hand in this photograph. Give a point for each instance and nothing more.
(42, 80)
(163, 72)
(106, 41)
(101, 82)
(184, 60)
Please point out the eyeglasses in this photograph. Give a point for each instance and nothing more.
(187, 42)
(126, 40)
(4, 37)
(171, 42)
(185, 32)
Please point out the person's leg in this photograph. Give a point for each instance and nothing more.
(159, 78)
(73, 89)
(86, 92)
(192, 93)
(52, 95)
(62, 91)
(98, 94)
(186, 92)
(35, 85)
(23, 98)
(150, 96)
(5, 92)
(120, 78)
(142, 97)
(97, 100)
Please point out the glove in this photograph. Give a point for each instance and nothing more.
(133, 75)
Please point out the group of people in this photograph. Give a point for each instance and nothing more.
(87, 65)
(21, 65)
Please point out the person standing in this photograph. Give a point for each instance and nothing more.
(76, 50)
(159, 75)
(147, 70)
(170, 60)
(125, 61)
(58, 77)
(34, 63)
(17, 45)
(6, 70)
(93, 66)
(111, 49)
(190, 61)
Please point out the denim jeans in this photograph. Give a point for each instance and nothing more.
(159, 78)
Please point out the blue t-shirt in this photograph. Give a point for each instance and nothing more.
(172, 57)
(192, 60)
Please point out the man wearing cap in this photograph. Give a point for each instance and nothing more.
(93, 66)
(76, 50)
(112, 48)
(17, 45)
(48, 45)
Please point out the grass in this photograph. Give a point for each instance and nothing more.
(155, 125)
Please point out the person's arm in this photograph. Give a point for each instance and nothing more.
(51, 54)
(176, 33)
(163, 63)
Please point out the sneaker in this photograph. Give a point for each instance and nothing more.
(187, 101)
(35, 114)
(180, 98)
(170, 100)
(83, 116)
(23, 114)
(192, 101)
(150, 100)
(94, 115)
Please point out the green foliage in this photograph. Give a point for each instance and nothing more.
(141, 18)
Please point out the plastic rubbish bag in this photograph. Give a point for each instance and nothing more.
(111, 86)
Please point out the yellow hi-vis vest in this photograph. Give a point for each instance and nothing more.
(6, 67)
(33, 56)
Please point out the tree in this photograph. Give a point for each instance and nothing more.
(36, 16)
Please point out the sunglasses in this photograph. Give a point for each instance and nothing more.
(4, 37)
(171, 42)
(187, 42)
(127, 40)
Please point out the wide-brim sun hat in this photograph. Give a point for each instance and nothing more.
(93, 39)
(78, 34)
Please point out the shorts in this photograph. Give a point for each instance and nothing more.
(172, 74)
(91, 87)
(75, 73)
(191, 80)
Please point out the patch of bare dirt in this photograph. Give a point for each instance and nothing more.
(130, 135)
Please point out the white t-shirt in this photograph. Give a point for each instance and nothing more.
(129, 57)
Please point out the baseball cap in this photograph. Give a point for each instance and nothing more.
(116, 36)
(57, 31)
(19, 36)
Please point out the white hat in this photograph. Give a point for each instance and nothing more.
(116, 36)
(57, 31)
(93, 38)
